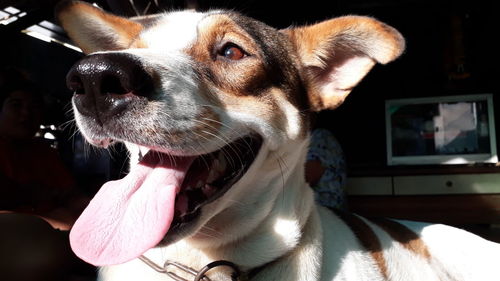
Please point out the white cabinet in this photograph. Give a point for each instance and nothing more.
(447, 184)
(369, 185)
(487, 183)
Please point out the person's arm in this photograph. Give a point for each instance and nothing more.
(314, 171)
(19, 198)
(14, 196)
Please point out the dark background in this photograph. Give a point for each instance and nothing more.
(450, 50)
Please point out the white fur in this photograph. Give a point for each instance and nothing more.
(178, 30)
(268, 218)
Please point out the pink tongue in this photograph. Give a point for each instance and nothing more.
(129, 216)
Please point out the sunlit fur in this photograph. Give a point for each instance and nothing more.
(268, 219)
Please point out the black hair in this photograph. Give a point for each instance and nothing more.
(11, 80)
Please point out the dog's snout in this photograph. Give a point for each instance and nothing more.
(105, 84)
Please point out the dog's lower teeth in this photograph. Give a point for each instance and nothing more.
(181, 204)
(212, 175)
(208, 190)
(220, 163)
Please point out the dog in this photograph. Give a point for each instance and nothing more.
(215, 110)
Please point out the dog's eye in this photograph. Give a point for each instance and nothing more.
(232, 52)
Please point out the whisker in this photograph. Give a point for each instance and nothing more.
(211, 229)
(233, 201)
(204, 232)
(207, 165)
(228, 145)
(70, 122)
(225, 140)
(283, 167)
(232, 130)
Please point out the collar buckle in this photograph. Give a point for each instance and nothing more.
(199, 275)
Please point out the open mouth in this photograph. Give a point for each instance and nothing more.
(208, 177)
(157, 201)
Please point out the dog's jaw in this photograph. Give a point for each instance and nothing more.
(193, 115)
(251, 225)
(228, 78)
(251, 202)
(162, 197)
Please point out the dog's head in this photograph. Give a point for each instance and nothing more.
(214, 108)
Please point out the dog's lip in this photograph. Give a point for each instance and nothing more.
(144, 149)
(234, 176)
(216, 188)
(104, 142)
(161, 198)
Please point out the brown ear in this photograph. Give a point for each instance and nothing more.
(94, 30)
(336, 54)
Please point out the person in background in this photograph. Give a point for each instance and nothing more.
(326, 170)
(36, 190)
(33, 178)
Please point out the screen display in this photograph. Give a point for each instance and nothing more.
(445, 128)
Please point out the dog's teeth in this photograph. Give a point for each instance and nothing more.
(212, 175)
(181, 204)
(215, 163)
(208, 190)
(140, 156)
(221, 163)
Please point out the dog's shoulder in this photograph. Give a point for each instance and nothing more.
(356, 244)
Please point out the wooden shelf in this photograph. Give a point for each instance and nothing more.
(448, 209)
(422, 170)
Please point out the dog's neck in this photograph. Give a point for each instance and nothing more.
(278, 198)
(284, 211)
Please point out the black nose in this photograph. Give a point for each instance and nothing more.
(105, 85)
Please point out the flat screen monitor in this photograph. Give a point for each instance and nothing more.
(441, 130)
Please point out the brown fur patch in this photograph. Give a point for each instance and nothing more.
(238, 86)
(326, 48)
(208, 124)
(408, 239)
(367, 35)
(76, 16)
(255, 84)
(238, 78)
(367, 238)
(138, 44)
